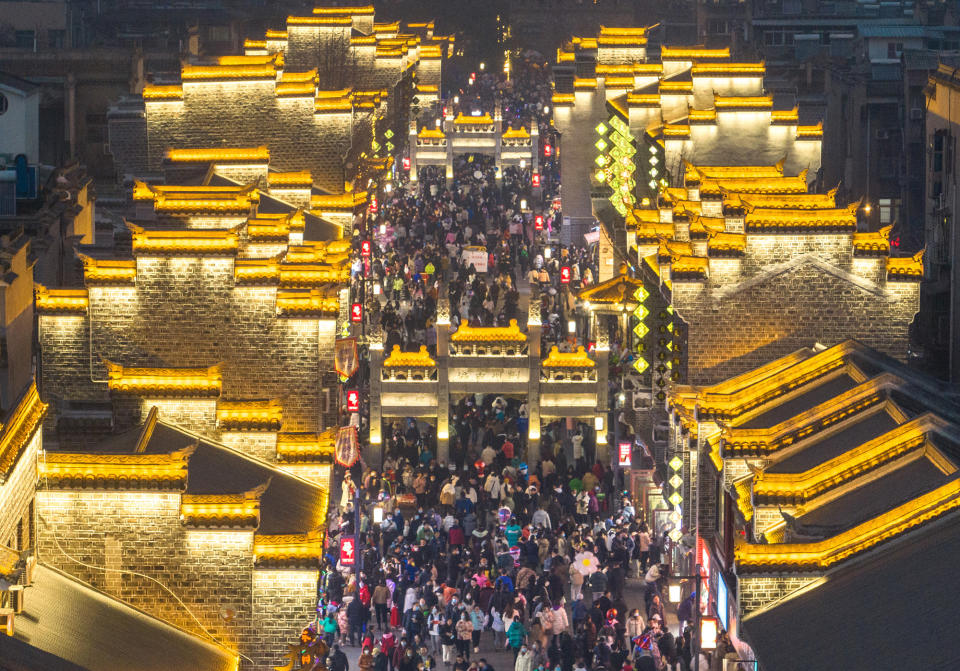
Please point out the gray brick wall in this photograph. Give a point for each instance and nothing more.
(188, 313)
(207, 570)
(757, 592)
(736, 325)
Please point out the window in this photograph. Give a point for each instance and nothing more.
(24, 39)
(56, 39)
(791, 7)
(718, 27)
(4, 103)
(777, 38)
(886, 211)
(894, 49)
(219, 33)
(942, 155)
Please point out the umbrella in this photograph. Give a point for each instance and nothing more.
(586, 563)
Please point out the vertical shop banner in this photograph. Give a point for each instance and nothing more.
(348, 551)
(345, 358)
(347, 450)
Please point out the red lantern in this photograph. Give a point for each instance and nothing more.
(356, 313)
(538, 222)
(565, 275)
(406, 164)
(353, 401)
(536, 179)
(547, 150)
(365, 248)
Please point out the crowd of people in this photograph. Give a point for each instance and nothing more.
(457, 561)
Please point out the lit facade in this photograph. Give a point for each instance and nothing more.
(311, 93)
(219, 314)
(797, 473)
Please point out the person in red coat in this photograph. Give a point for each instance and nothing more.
(455, 535)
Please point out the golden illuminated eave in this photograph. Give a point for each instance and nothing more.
(728, 69)
(906, 267)
(516, 134)
(221, 510)
(355, 10)
(727, 242)
(313, 274)
(215, 73)
(17, 432)
(162, 93)
(844, 218)
(482, 120)
(184, 242)
(178, 382)
(347, 202)
(314, 303)
(798, 488)
(260, 415)
(208, 155)
(419, 359)
(696, 173)
(302, 178)
(723, 103)
(643, 99)
(288, 549)
(319, 21)
(558, 359)
(307, 447)
(872, 242)
(72, 470)
(511, 333)
(430, 134)
(692, 53)
(562, 98)
(823, 554)
(61, 301)
(746, 202)
(768, 185)
(333, 251)
(108, 271)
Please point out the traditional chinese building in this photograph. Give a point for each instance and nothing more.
(680, 103)
(816, 475)
(333, 88)
(220, 308)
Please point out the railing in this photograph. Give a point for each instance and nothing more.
(411, 374)
(568, 374)
(489, 349)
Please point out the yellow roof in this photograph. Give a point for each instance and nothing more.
(197, 73)
(873, 241)
(558, 359)
(431, 133)
(192, 241)
(21, 425)
(250, 415)
(298, 178)
(694, 173)
(728, 69)
(349, 200)
(716, 186)
(823, 554)
(219, 155)
(909, 267)
(511, 333)
(356, 10)
(317, 301)
(162, 93)
(306, 446)
(516, 133)
(787, 201)
(323, 20)
(692, 53)
(618, 289)
(476, 120)
(419, 359)
(743, 102)
(61, 301)
(185, 381)
(839, 217)
(67, 469)
(727, 242)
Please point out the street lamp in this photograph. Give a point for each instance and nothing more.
(377, 515)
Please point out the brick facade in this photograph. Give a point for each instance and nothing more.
(247, 609)
(760, 591)
(788, 292)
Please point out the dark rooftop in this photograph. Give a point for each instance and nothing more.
(67, 618)
(289, 506)
(877, 497)
(896, 610)
(866, 428)
(816, 395)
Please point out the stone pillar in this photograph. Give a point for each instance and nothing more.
(413, 153)
(448, 131)
(375, 449)
(533, 393)
(603, 403)
(443, 375)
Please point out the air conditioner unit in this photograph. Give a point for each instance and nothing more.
(883, 134)
(642, 400)
(916, 114)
